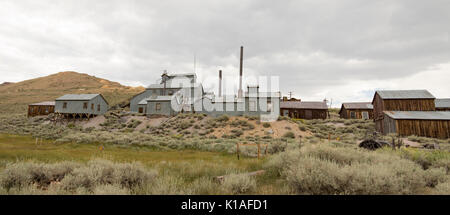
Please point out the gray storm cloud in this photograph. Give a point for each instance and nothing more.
(320, 49)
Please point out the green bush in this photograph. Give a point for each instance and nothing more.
(289, 134)
(266, 125)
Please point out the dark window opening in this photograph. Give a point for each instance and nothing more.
(65, 105)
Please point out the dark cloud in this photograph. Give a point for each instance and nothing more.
(340, 49)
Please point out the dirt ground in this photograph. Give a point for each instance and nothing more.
(277, 129)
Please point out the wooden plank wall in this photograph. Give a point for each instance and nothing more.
(427, 128)
(301, 113)
(409, 105)
(345, 114)
(40, 110)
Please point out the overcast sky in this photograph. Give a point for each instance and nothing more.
(344, 50)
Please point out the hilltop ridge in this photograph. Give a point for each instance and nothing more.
(16, 96)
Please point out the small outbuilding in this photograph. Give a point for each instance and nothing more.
(41, 109)
(420, 123)
(442, 104)
(81, 105)
(356, 110)
(304, 109)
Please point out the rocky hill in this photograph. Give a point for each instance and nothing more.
(16, 96)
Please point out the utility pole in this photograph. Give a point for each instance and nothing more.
(290, 95)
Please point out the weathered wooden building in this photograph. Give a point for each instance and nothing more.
(41, 109)
(420, 123)
(81, 105)
(400, 100)
(304, 110)
(356, 110)
(442, 104)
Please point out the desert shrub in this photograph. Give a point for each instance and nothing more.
(289, 134)
(443, 188)
(110, 189)
(203, 186)
(325, 169)
(223, 118)
(302, 127)
(165, 185)
(237, 132)
(266, 125)
(75, 178)
(25, 173)
(434, 176)
(238, 184)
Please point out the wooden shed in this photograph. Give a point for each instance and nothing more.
(420, 123)
(304, 110)
(41, 109)
(442, 104)
(356, 110)
(81, 105)
(400, 100)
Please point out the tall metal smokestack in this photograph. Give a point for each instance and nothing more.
(220, 83)
(240, 73)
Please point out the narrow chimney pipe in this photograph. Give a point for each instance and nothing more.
(240, 72)
(220, 83)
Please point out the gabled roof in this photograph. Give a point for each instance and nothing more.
(47, 103)
(79, 97)
(159, 98)
(143, 101)
(420, 115)
(405, 94)
(357, 105)
(303, 105)
(442, 103)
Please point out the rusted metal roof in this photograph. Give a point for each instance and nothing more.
(442, 103)
(47, 103)
(405, 94)
(303, 105)
(358, 105)
(419, 115)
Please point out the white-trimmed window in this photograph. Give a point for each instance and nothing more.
(158, 106)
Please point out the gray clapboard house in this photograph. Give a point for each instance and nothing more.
(81, 105)
(156, 99)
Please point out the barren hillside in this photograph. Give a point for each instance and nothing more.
(16, 96)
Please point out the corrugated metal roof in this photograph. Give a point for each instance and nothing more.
(420, 115)
(76, 97)
(160, 98)
(405, 94)
(47, 103)
(357, 105)
(303, 105)
(442, 103)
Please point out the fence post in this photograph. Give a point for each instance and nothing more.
(258, 150)
(237, 150)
